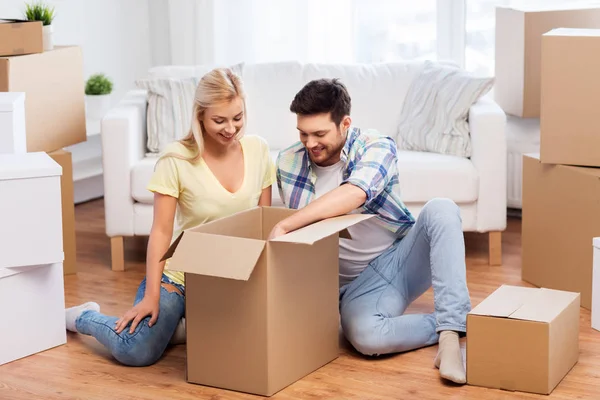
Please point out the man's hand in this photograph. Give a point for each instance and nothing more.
(148, 306)
(277, 231)
(339, 201)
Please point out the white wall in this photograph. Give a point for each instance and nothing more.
(116, 39)
(114, 36)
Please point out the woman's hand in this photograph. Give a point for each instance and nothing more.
(148, 306)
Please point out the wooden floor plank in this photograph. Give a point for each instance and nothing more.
(83, 369)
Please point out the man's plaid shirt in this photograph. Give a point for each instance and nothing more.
(370, 164)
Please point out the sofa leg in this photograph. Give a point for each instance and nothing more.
(495, 248)
(117, 253)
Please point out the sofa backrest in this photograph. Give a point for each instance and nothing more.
(377, 92)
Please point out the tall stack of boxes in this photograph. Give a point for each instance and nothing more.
(51, 89)
(547, 68)
(561, 194)
(518, 78)
(31, 267)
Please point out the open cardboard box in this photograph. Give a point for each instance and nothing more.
(260, 314)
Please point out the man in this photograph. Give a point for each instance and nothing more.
(392, 259)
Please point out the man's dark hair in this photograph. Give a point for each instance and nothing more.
(323, 96)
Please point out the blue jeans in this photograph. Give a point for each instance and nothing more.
(432, 254)
(145, 345)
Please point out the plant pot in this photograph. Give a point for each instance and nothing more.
(96, 106)
(48, 40)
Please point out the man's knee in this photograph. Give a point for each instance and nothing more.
(440, 209)
(364, 335)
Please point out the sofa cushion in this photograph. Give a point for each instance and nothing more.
(435, 110)
(140, 176)
(425, 175)
(377, 90)
(169, 115)
(270, 89)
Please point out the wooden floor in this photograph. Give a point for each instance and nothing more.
(82, 369)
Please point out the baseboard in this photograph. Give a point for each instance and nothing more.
(89, 188)
(514, 212)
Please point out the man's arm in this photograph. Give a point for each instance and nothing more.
(375, 166)
(339, 201)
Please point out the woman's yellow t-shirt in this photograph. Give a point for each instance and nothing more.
(201, 197)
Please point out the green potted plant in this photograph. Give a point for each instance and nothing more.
(97, 95)
(40, 11)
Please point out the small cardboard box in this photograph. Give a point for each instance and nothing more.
(569, 128)
(32, 299)
(518, 52)
(259, 314)
(64, 159)
(30, 210)
(523, 339)
(55, 98)
(12, 123)
(19, 37)
(560, 218)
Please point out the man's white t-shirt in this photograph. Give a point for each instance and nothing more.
(369, 239)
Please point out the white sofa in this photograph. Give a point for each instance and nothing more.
(477, 184)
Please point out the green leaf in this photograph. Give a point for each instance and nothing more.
(98, 84)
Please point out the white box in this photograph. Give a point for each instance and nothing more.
(32, 310)
(596, 285)
(13, 138)
(30, 210)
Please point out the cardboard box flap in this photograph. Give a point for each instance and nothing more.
(545, 305)
(214, 255)
(322, 229)
(504, 301)
(530, 304)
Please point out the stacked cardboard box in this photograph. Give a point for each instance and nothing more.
(561, 185)
(526, 339)
(20, 37)
(518, 75)
(31, 270)
(53, 86)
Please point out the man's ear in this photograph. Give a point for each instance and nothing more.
(346, 122)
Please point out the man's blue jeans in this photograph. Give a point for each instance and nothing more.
(432, 254)
(146, 344)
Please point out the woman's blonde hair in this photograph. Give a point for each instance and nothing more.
(221, 85)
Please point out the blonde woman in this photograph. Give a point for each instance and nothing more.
(213, 172)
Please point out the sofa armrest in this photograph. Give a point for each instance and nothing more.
(123, 145)
(487, 124)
